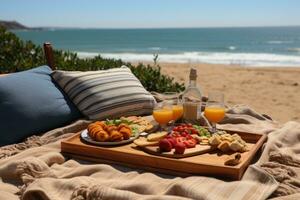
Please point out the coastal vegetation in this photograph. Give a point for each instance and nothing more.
(18, 55)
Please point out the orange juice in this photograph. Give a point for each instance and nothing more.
(177, 112)
(214, 114)
(163, 116)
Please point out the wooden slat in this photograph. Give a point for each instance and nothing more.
(49, 55)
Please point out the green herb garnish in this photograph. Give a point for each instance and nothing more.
(202, 131)
(135, 130)
(117, 122)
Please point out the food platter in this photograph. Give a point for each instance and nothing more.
(112, 132)
(227, 153)
(84, 135)
(210, 163)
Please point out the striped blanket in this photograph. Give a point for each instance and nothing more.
(36, 169)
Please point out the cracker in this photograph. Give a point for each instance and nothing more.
(142, 142)
(157, 136)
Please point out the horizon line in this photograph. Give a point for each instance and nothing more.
(154, 27)
(190, 27)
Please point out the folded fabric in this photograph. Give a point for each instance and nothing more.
(30, 103)
(106, 93)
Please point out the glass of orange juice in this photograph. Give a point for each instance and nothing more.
(215, 109)
(177, 111)
(172, 98)
(163, 114)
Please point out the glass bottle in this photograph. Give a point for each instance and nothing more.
(191, 99)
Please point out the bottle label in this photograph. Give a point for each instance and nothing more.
(190, 111)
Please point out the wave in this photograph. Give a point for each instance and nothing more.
(243, 59)
(155, 48)
(294, 50)
(232, 48)
(279, 42)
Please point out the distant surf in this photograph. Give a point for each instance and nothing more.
(242, 59)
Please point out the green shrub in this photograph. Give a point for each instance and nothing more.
(17, 55)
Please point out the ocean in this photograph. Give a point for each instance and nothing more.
(261, 46)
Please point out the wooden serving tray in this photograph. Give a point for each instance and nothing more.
(211, 163)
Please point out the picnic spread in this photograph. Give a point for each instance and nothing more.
(38, 169)
(130, 144)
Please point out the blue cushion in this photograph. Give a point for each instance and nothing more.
(31, 103)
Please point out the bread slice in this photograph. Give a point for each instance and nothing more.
(157, 136)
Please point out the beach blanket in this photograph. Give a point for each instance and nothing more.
(36, 169)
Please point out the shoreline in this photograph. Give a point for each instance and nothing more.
(274, 91)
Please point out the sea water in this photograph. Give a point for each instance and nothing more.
(260, 46)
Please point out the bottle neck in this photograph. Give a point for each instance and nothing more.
(192, 83)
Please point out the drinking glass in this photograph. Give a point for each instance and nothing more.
(163, 114)
(215, 109)
(172, 98)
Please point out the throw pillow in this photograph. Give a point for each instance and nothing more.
(31, 103)
(106, 93)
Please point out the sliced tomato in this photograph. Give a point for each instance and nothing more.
(184, 133)
(175, 128)
(181, 129)
(188, 136)
(180, 139)
(189, 125)
(191, 143)
(175, 134)
(194, 131)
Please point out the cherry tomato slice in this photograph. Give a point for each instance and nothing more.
(188, 136)
(191, 143)
(184, 133)
(176, 128)
(180, 139)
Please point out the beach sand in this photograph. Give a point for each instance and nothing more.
(272, 91)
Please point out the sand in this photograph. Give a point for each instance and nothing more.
(272, 91)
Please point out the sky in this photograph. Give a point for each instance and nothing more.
(151, 13)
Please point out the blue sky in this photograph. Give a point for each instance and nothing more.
(151, 13)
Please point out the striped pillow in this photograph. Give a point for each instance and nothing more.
(106, 93)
